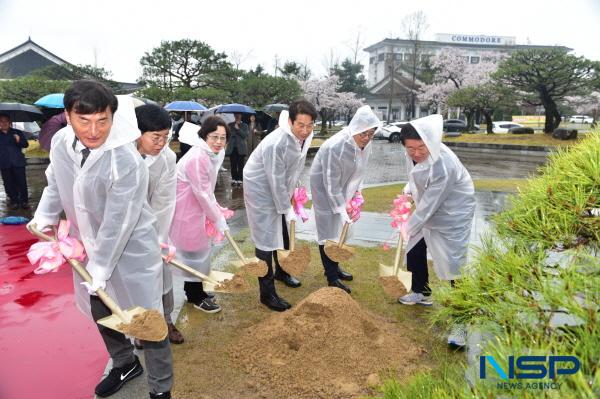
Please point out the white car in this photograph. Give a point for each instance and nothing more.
(503, 126)
(390, 132)
(581, 119)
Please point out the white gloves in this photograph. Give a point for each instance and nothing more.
(96, 284)
(38, 226)
(344, 215)
(222, 225)
(290, 215)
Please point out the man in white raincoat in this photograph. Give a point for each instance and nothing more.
(270, 177)
(154, 123)
(98, 178)
(336, 175)
(444, 196)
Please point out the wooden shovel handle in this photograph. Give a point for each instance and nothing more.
(108, 301)
(292, 235)
(344, 234)
(398, 253)
(235, 246)
(191, 271)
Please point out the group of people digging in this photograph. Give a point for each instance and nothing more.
(115, 178)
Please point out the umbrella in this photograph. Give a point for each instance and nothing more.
(275, 107)
(54, 100)
(20, 112)
(137, 101)
(235, 109)
(183, 106)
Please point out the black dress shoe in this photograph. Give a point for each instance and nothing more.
(288, 280)
(285, 303)
(273, 302)
(340, 285)
(343, 275)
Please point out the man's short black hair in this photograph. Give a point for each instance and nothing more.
(152, 118)
(211, 124)
(408, 131)
(89, 97)
(302, 107)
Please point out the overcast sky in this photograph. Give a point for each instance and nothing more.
(115, 34)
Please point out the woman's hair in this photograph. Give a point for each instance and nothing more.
(211, 124)
(408, 131)
(152, 118)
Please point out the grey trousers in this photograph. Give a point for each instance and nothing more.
(168, 305)
(158, 357)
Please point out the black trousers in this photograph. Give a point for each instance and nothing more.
(416, 263)
(194, 291)
(15, 184)
(331, 267)
(267, 283)
(237, 165)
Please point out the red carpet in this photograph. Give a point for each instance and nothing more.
(48, 349)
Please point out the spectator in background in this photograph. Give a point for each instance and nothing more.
(51, 126)
(236, 148)
(255, 130)
(12, 164)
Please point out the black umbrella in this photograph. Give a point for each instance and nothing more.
(275, 108)
(20, 112)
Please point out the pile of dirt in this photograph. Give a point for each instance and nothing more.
(392, 286)
(237, 284)
(149, 326)
(297, 261)
(339, 254)
(326, 346)
(256, 269)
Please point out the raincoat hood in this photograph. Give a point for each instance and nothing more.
(430, 128)
(124, 129)
(188, 134)
(363, 120)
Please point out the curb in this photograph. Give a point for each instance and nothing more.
(521, 149)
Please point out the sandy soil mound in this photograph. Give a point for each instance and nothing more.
(326, 346)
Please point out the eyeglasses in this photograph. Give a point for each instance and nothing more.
(217, 138)
(368, 133)
(304, 126)
(159, 139)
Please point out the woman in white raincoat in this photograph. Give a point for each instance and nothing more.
(154, 123)
(98, 178)
(270, 177)
(197, 174)
(444, 196)
(336, 175)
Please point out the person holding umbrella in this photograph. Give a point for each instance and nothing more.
(237, 148)
(444, 198)
(336, 175)
(270, 177)
(12, 163)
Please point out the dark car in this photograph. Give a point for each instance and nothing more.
(454, 125)
(520, 130)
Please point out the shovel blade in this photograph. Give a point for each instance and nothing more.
(385, 271)
(217, 276)
(114, 322)
(404, 277)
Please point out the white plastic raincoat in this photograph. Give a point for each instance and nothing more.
(445, 201)
(337, 173)
(106, 203)
(197, 174)
(162, 186)
(270, 176)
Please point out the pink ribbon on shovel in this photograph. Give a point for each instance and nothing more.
(354, 206)
(403, 207)
(299, 199)
(49, 255)
(211, 229)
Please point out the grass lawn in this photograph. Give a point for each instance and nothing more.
(203, 365)
(34, 150)
(536, 139)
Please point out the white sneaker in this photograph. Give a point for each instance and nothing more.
(458, 335)
(415, 298)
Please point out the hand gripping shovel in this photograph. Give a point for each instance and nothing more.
(216, 281)
(295, 260)
(337, 251)
(147, 325)
(396, 282)
(253, 266)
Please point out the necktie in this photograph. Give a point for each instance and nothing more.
(84, 154)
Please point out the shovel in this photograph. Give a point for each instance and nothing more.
(337, 251)
(147, 325)
(216, 281)
(253, 265)
(396, 274)
(294, 261)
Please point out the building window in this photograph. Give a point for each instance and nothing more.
(398, 57)
(381, 57)
(372, 60)
(408, 57)
(474, 60)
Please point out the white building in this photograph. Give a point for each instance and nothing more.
(395, 55)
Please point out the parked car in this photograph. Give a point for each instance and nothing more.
(454, 125)
(581, 119)
(390, 132)
(520, 130)
(503, 126)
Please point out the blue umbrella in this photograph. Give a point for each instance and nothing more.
(183, 106)
(51, 101)
(235, 109)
